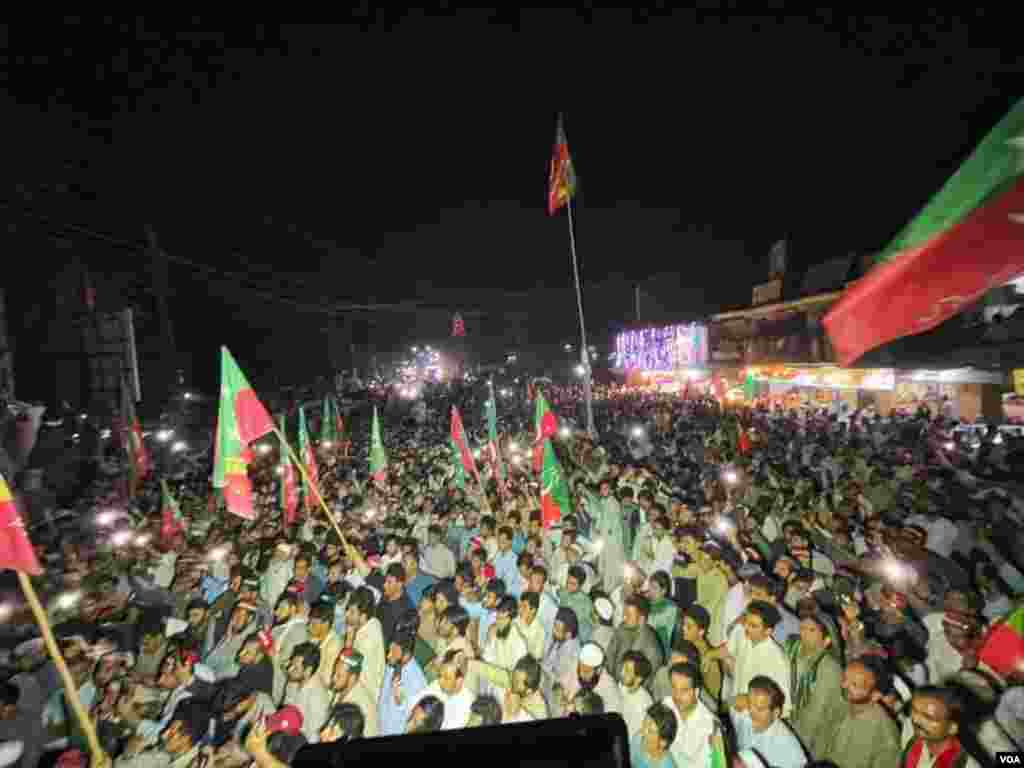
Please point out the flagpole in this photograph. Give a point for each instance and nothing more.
(584, 352)
(70, 687)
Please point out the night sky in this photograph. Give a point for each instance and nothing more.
(405, 158)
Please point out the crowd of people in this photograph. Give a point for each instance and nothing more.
(782, 589)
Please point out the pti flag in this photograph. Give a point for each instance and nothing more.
(16, 550)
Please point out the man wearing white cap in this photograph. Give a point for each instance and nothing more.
(604, 630)
(592, 676)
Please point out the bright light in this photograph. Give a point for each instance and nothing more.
(105, 518)
(263, 448)
(598, 545)
(188, 395)
(415, 350)
(218, 554)
(68, 600)
(998, 439)
(326, 443)
(164, 435)
(564, 432)
(6, 611)
(428, 348)
(950, 445)
(121, 538)
(638, 431)
(105, 434)
(580, 370)
(723, 526)
(505, 393)
(143, 540)
(568, 347)
(517, 460)
(84, 416)
(730, 477)
(179, 446)
(895, 570)
(279, 470)
(75, 436)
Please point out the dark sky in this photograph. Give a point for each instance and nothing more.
(401, 158)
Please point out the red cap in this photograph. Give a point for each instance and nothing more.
(285, 720)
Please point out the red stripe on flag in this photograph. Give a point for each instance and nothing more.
(923, 287)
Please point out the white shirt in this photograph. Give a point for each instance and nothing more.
(534, 636)
(692, 745)
(456, 708)
(766, 658)
(634, 707)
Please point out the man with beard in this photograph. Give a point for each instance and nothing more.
(363, 634)
(505, 646)
(305, 691)
(559, 664)
(815, 681)
(290, 629)
(549, 599)
(403, 681)
(395, 602)
(529, 624)
(222, 659)
(635, 634)
(698, 728)
(935, 713)
(493, 595)
(592, 676)
(349, 688)
(865, 735)
(524, 702)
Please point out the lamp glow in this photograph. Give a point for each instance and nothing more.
(564, 432)
(164, 435)
(121, 538)
(179, 446)
(105, 518)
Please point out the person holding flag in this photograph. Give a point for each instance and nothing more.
(289, 483)
(309, 461)
(378, 457)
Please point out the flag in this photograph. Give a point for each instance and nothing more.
(562, 176)
(460, 470)
(16, 550)
(241, 419)
(546, 425)
(967, 240)
(308, 457)
(743, 444)
(554, 495)
(458, 436)
(328, 426)
(135, 448)
(749, 388)
(289, 482)
(1002, 650)
(458, 326)
(378, 457)
(493, 454)
(173, 523)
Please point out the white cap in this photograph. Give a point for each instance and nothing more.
(175, 627)
(591, 655)
(604, 608)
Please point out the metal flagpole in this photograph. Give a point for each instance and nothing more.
(588, 393)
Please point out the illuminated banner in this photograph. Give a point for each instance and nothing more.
(670, 348)
(827, 377)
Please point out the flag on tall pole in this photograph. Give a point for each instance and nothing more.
(308, 457)
(131, 439)
(458, 436)
(966, 241)
(241, 419)
(378, 457)
(16, 550)
(546, 426)
(289, 482)
(172, 522)
(562, 175)
(554, 497)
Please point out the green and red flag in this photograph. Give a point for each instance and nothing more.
(463, 455)
(554, 494)
(967, 240)
(308, 457)
(460, 470)
(546, 427)
(241, 420)
(131, 439)
(562, 175)
(173, 522)
(289, 482)
(493, 453)
(328, 426)
(1002, 650)
(16, 550)
(378, 457)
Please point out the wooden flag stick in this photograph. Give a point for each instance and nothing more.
(99, 758)
(312, 485)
